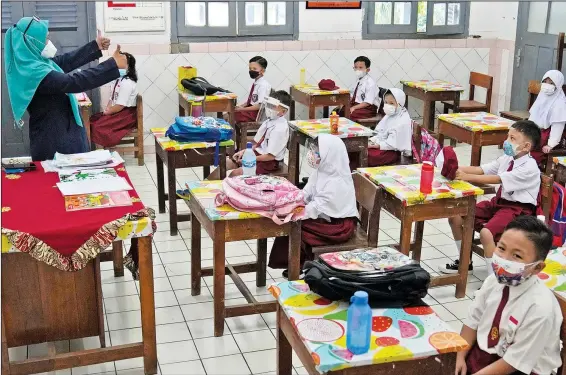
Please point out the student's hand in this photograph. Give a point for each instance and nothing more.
(103, 42)
(546, 149)
(238, 155)
(121, 60)
(461, 368)
(461, 175)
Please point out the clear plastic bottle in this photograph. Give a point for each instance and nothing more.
(358, 333)
(249, 161)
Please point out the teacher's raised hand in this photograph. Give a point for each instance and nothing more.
(121, 60)
(103, 42)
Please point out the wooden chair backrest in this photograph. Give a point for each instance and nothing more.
(417, 137)
(546, 186)
(367, 197)
(534, 89)
(481, 80)
(560, 51)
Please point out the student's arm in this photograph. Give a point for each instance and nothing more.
(126, 89)
(556, 130)
(359, 106)
(254, 107)
(62, 83)
(470, 335)
(478, 179)
(112, 109)
(471, 170)
(75, 59)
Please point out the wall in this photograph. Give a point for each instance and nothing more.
(494, 19)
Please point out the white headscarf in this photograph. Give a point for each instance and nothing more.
(330, 190)
(550, 109)
(395, 132)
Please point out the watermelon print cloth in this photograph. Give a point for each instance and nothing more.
(477, 121)
(404, 181)
(397, 334)
(433, 85)
(554, 274)
(346, 128)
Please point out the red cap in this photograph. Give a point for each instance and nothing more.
(327, 85)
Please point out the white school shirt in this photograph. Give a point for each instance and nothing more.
(529, 328)
(124, 92)
(276, 138)
(522, 183)
(549, 111)
(261, 90)
(367, 90)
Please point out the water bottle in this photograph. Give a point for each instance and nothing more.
(427, 175)
(358, 333)
(302, 76)
(249, 161)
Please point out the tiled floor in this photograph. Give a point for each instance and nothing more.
(185, 341)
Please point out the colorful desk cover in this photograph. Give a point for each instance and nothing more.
(559, 160)
(433, 85)
(477, 121)
(397, 334)
(346, 128)
(403, 182)
(314, 90)
(209, 98)
(554, 274)
(169, 144)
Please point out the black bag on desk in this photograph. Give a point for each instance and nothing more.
(200, 86)
(398, 287)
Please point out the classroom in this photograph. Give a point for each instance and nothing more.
(233, 187)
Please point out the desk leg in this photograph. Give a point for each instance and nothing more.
(284, 349)
(172, 186)
(347, 109)
(428, 115)
(418, 244)
(160, 183)
(363, 156)
(196, 268)
(147, 306)
(221, 165)
(475, 159)
(205, 171)
(466, 248)
(325, 112)
(261, 270)
(118, 258)
(219, 274)
(243, 136)
(231, 114)
(295, 251)
(292, 111)
(405, 240)
(294, 166)
(312, 111)
(5, 355)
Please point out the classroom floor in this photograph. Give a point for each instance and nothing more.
(185, 341)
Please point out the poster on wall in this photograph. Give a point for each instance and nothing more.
(334, 4)
(134, 16)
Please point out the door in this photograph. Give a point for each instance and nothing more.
(535, 49)
(71, 25)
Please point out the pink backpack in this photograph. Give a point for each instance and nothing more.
(269, 196)
(430, 148)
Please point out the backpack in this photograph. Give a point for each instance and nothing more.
(200, 86)
(430, 148)
(270, 196)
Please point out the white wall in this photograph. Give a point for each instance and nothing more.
(494, 19)
(325, 24)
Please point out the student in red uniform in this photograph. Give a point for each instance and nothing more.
(331, 214)
(363, 92)
(247, 112)
(513, 325)
(518, 174)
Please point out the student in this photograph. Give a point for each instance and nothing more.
(394, 131)
(270, 142)
(513, 325)
(519, 176)
(549, 113)
(364, 92)
(247, 112)
(120, 116)
(330, 212)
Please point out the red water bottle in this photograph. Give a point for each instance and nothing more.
(427, 175)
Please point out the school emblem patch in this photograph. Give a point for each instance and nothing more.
(254, 98)
(363, 96)
(494, 334)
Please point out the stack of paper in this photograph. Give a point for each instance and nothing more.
(53, 165)
(87, 159)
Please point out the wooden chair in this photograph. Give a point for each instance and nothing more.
(471, 105)
(534, 89)
(546, 185)
(367, 197)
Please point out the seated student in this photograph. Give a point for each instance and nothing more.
(513, 325)
(247, 112)
(120, 116)
(394, 131)
(364, 92)
(519, 176)
(549, 113)
(270, 142)
(330, 212)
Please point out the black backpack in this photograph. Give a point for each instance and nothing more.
(200, 86)
(399, 287)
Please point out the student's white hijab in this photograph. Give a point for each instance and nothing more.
(331, 185)
(395, 121)
(549, 109)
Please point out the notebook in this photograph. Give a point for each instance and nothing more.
(97, 200)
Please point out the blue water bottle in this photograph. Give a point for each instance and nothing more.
(358, 333)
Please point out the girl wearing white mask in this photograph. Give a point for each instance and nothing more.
(549, 113)
(330, 197)
(394, 131)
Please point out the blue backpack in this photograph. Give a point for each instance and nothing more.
(200, 129)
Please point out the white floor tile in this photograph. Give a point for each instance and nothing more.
(183, 368)
(204, 328)
(198, 311)
(168, 315)
(472, 287)
(258, 363)
(127, 288)
(185, 298)
(180, 282)
(443, 313)
(456, 325)
(459, 309)
(175, 257)
(180, 351)
(255, 341)
(176, 269)
(443, 294)
(246, 323)
(124, 320)
(172, 332)
(167, 246)
(216, 346)
(165, 299)
(228, 365)
(126, 336)
(95, 369)
(122, 304)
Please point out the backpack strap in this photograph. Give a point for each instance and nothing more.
(278, 221)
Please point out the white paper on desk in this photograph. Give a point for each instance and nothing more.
(49, 166)
(85, 159)
(89, 187)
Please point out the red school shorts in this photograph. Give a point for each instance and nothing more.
(495, 214)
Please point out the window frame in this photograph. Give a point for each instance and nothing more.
(265, 29)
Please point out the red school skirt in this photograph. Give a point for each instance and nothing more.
(108, 130)
(376, 158)
(245, 116)
(477, 359)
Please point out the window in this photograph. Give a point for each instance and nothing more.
(546, 17)
(242, 19)
(417, 19)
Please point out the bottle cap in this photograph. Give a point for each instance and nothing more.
(249, 145)
(333, 113)
(360, 297)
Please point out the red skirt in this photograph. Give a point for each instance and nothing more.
(477, 359)
(362, 113)
(245, 116)
(495, 214)
(317, 232)
(108, 130)
(376, 158)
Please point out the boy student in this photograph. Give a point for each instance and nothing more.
(247, 112)
(513, 324)
(519, 176)
(270, 142)
(364, 92)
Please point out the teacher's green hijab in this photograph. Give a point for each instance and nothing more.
(26, 68)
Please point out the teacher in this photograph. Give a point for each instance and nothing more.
(43, 84)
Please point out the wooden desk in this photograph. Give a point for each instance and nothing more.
(474, 128)
(225, 224)
(214, 103)
(401, 197)
(560, 168)
(85, 106)
(354, 135)
(182, 155)
(315, 329)
(430, 92)
(312, 97)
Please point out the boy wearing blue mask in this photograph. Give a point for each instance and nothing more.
(517, 174)
(513, 324)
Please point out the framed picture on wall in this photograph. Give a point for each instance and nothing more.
(334, 4)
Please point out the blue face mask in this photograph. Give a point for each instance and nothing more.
(123, 72)
(509, 148)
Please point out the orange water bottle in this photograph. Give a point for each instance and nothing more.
(334, 120)
(427, 175)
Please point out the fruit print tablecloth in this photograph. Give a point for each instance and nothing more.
(169, 144)
(346, 128)
(554, 274)
(397, 334)
(403, 181)
(559, 160)
(477, 121)
(434, 85)
(209, 98)
(314, 90)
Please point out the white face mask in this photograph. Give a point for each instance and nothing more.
(313, 158)
(49, 51)
(389, 109)
(360, 73)
(547, 88)
(271, 113)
